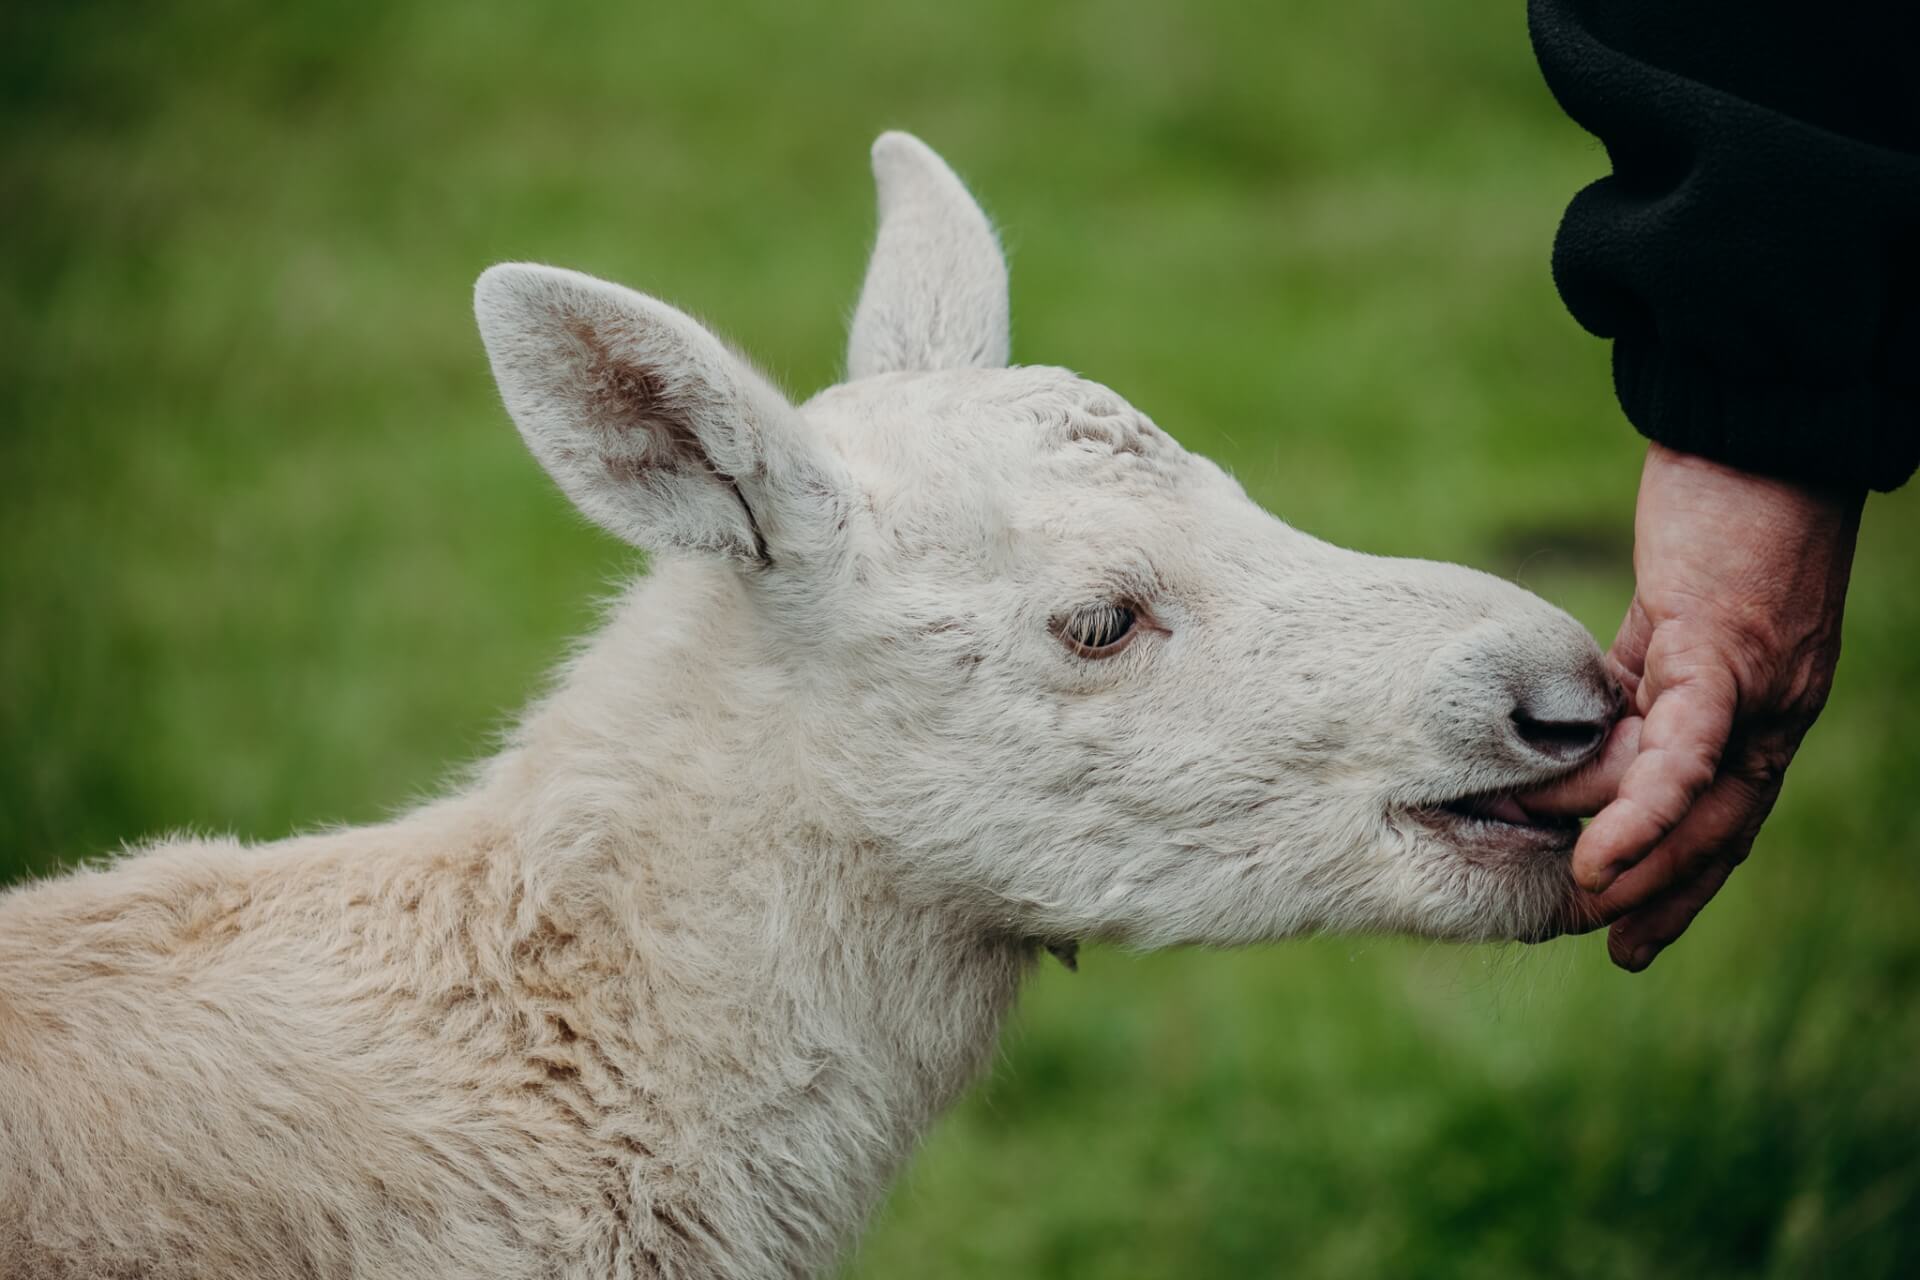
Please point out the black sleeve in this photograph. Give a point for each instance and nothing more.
(1755, 254)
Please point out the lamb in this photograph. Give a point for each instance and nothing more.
(950, 666)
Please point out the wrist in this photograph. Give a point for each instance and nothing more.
(1758, 562)
(1819, 508)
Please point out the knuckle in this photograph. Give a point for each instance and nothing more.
(1760, 766)
(1696, 770)
(1769, 769)
(1816, 686)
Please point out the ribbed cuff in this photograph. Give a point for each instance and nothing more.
(1853, 437)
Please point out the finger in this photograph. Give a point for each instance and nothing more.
(1637, 939)
(1721, 826)
(1589, 788)
(1681, 742)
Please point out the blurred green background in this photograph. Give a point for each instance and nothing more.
(271, 555)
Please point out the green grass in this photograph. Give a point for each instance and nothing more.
(271, 556)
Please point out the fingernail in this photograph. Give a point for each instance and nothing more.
(1598, 881)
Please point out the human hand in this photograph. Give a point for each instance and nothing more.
(1728, 652)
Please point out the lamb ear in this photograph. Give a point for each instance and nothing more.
(936, 291)
(645, 420)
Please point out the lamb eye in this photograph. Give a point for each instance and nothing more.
(1098, 632)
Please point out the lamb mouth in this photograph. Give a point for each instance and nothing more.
(1495, 822)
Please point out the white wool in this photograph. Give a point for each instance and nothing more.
(678, 982)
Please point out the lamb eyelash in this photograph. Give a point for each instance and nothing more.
(1099, 631)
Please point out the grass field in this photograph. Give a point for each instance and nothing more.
(271, 555)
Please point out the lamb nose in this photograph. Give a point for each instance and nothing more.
(1566, 721)
(1561, 740)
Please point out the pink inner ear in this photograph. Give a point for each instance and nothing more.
(624, 399)
(642, 425)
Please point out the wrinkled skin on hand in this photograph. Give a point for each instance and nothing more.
(1727, 654)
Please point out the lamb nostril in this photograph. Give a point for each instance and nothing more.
(1565, 740)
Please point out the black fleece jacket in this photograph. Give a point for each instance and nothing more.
(1755, 254)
